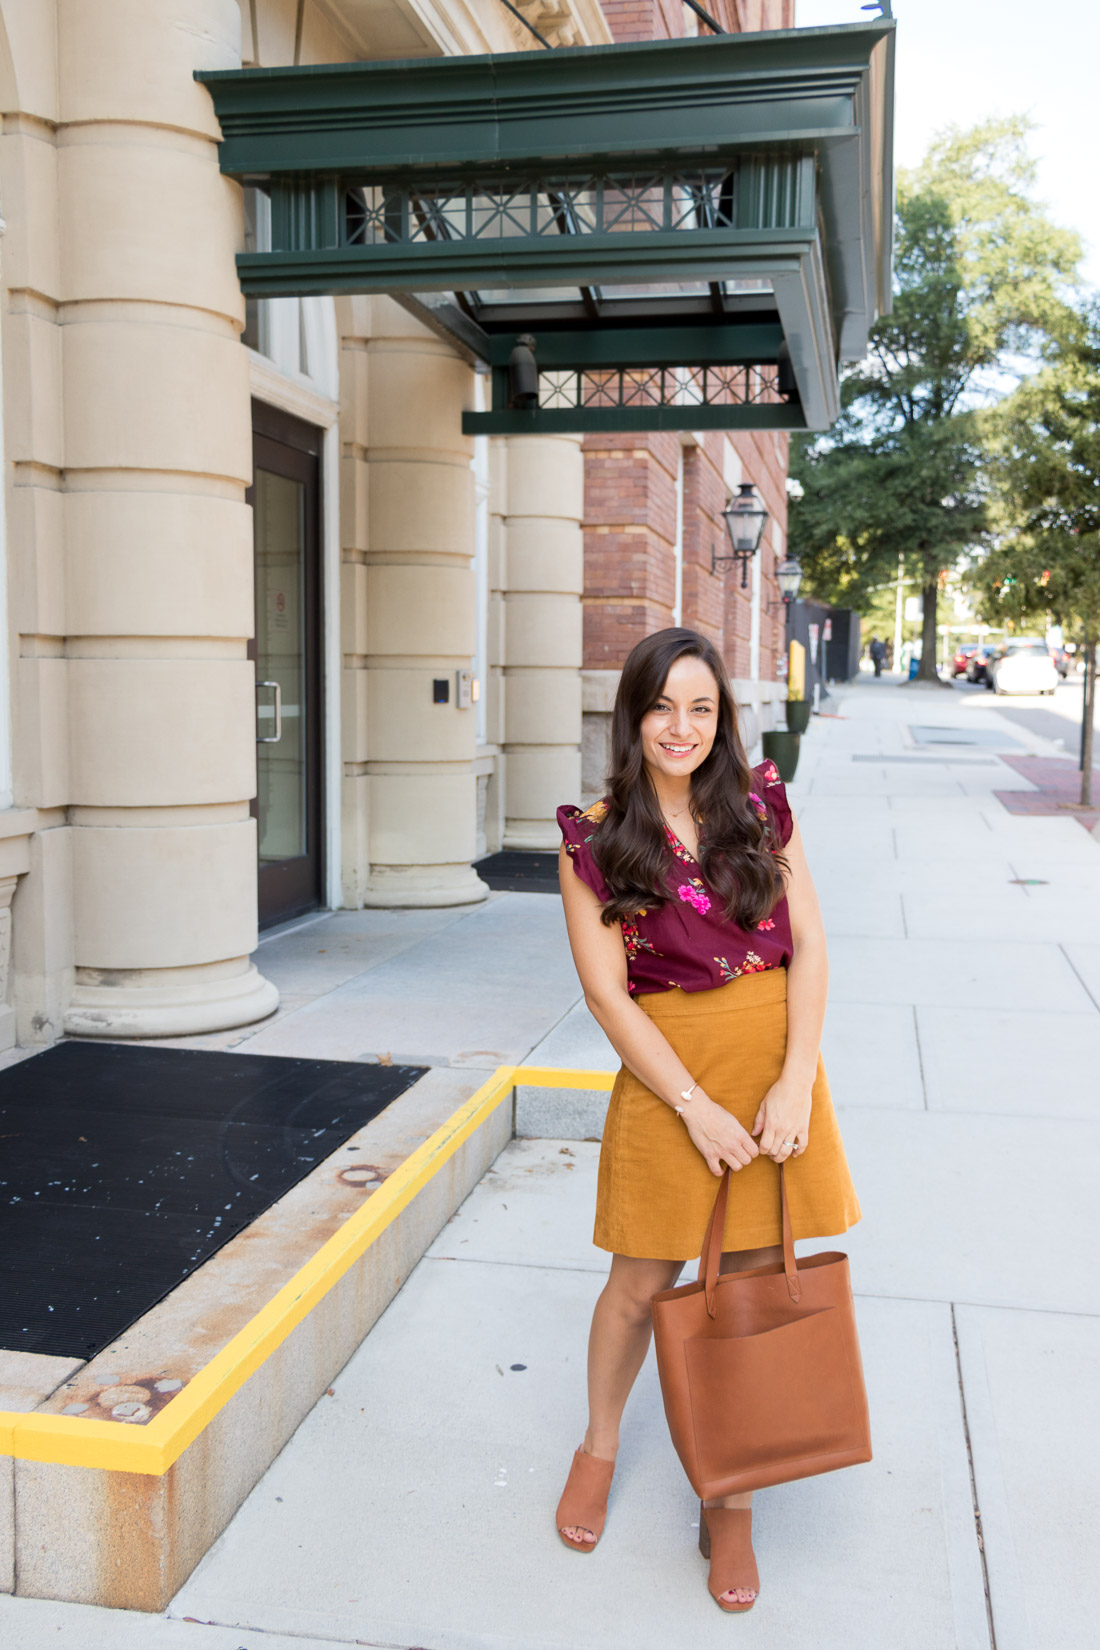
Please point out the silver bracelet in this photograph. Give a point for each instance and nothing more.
(685, 1096)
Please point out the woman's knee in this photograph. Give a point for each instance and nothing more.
(632, 1284)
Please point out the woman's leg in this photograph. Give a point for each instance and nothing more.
(619, 1340)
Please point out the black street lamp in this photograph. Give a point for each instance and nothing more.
(745, 518)
(788, 576)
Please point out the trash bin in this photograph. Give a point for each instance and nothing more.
(914, 666)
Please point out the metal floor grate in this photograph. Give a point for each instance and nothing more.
(989, 737)
(124, 1168)
(520, 873)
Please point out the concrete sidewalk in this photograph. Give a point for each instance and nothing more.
(414, 1506)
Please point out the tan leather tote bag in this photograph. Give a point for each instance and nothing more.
(760, 1370)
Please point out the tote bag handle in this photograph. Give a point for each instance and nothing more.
(712, 1243)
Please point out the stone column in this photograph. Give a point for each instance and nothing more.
(157, 536)
(542, 642)
(420, 617)
(353, 323)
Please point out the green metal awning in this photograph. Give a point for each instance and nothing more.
(696, 232)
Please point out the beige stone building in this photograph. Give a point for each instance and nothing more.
(278, 635)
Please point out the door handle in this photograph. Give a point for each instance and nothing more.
(272, 738)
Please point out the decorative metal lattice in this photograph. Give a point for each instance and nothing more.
(502, 208)
(613, 387)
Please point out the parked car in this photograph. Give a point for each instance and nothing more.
(1063, 661)
(1024, 665)
(962, 658)
(977, 666)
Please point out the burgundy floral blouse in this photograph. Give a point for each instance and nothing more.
(688, 942)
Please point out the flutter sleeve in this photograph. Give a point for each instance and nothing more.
(577, 831)
(773, 793)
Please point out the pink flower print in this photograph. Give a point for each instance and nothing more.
(754, 964)
(758, 802)
(765, 923)
(695, 895)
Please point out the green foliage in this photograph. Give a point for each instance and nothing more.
(1014, 262)
(1045, 447)
(980, 275)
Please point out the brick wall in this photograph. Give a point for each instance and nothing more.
(630, 531)
(630, 481)
(667, 19)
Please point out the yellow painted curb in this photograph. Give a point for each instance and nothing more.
(550, 1077)
(118, 1446)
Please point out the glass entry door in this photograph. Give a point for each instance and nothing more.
(287, 654)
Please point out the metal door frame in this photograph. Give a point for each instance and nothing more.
(288, 446)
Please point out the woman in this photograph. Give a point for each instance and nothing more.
(698, 939)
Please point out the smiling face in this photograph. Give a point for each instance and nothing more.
(677, 732)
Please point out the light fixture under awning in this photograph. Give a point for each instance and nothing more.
(695, 232)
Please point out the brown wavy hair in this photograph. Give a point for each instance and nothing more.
(630, 846)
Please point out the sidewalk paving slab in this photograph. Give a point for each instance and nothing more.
(950, 1203)
(872, 1055)
(1085, 962)
(838, 873)
(316, 956)
(1005, 974)
(861, 910)
(971, 920)
(478, 992)
(39, 1624)
(1030, 1382)
(433, 1508)
(539, 1201)
(577, 1042)
(989, 1060)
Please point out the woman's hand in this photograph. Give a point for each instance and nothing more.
(718, 1134)
(784, 1116)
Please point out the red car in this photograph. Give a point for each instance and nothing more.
(962, 658)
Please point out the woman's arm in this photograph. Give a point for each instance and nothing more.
(785, 1110)
(601, 964)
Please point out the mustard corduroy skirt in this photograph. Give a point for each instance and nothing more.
(655, 1191)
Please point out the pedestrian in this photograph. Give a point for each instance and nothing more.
(878, 653)
(698, 939)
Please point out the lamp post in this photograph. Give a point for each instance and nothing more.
(745, 518)
(788, 576)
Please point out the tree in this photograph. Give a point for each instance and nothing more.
(1045, 444)
(979, 283)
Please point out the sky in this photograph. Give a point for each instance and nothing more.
(962, 61)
